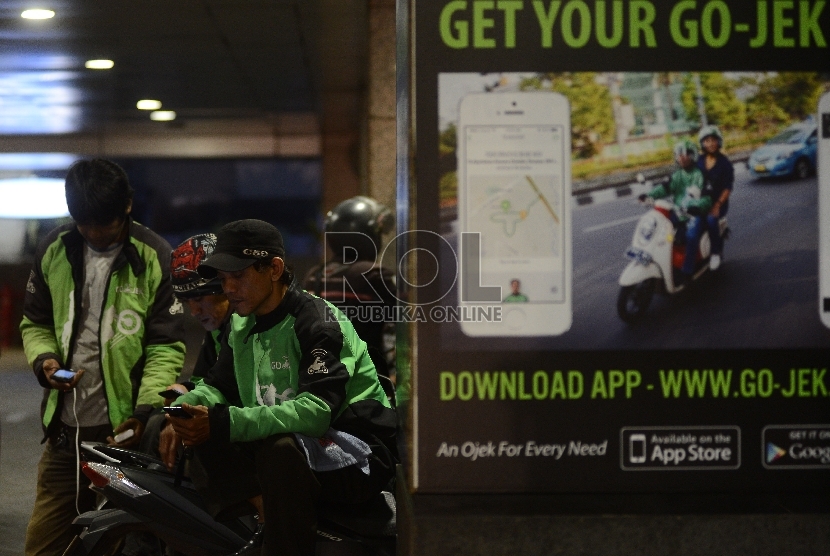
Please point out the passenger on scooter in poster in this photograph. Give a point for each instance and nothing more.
(718, 178)
(685, 189)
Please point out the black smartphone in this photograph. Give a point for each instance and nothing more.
(170, 393)
(177, 411)
(63, 375)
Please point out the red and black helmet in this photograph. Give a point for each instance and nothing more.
(185, 259)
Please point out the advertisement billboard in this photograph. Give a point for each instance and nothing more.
(613, 247)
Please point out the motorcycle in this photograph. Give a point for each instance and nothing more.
(657, 252)
(142, 495)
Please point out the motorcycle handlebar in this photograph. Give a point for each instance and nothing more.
(646, 200)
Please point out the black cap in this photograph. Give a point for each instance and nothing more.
(240, 244)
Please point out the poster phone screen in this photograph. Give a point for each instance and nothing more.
(824, 207)
(515, 197)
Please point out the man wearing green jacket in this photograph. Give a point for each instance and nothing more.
(690, 206)
(99, 301)
(293, 412)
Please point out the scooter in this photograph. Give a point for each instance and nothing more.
(657, 252)
(142, 495)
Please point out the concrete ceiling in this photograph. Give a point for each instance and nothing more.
(276, 71)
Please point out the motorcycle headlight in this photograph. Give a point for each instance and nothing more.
(645, 231)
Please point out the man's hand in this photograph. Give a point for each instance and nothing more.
(50, 366)
(131, 423)
(169, 442)
(192, 431)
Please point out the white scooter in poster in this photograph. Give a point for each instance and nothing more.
(656, 259)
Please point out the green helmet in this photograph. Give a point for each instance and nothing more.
(685, 147)
(710, 131)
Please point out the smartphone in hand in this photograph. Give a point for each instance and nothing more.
(63, 375)
(122, 436)
(177, 411)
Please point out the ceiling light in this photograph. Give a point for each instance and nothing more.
(147, 104)
(163, 116)
(99, 64)
(37, 14)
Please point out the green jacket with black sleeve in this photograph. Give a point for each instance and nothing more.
(686, 191)
(141, 333)
(299, 369)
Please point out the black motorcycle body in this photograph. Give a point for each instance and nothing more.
(142, 495)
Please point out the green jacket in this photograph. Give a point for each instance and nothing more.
(299, 369)
(141, 329)
(685, 189)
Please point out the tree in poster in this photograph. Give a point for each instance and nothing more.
(592, 116)
(448, 183)
(795, 93)
(448, 140)
(720, 100)
(764, 116)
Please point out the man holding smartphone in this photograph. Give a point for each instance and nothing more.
(204, 297)
(99, 300)
(293, 412)
(207, 304)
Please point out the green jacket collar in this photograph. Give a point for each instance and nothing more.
(286, 307)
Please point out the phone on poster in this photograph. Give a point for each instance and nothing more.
(824, 207)
(514, 193)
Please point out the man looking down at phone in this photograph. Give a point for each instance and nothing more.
(207, 304)
(293, 412)
(204, 297)
(99, 300)
(205, 300)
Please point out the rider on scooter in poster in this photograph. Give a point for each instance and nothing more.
(718, 177)
(690, 207)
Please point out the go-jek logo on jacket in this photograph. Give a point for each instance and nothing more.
(318, 365)
(128, 322)
(774, 453)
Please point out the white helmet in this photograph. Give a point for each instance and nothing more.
(685, 147)
(710, 131)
